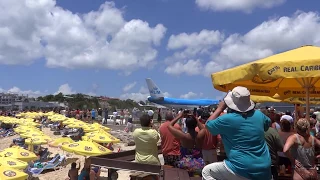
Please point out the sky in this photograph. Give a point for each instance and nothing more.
(108, 48)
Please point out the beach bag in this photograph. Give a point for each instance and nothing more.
(38, 165)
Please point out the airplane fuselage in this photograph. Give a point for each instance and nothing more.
(182, 103)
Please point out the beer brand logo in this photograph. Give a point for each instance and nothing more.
(74, 145)
(9, 173)
(101, 137)
(88, 148)
(36, 139)
(272, 70)
(24, 154)
(102, 148)
(287, 92)
(256, 79)
(8, 154)
(11, 163)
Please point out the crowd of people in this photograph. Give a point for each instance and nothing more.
(235, 141)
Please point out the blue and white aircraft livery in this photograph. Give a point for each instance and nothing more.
(157, 97)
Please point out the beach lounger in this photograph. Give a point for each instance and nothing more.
(53, 164)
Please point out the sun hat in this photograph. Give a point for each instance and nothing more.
(239, 99)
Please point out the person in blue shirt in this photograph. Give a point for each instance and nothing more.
(242, 133)
(93, 114)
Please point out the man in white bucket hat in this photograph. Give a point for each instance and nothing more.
(242, 132)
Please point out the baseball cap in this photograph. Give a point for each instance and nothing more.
(150, 113)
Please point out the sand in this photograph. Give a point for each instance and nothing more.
(62, 172)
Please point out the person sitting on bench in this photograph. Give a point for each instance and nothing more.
(191, 160)
(170, 145)
(146, 140)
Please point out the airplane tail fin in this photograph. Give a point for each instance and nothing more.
(153, 89)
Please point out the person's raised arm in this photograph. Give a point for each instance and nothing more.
(221, 107)
(79, 166)
(175, 132)
(199, 124)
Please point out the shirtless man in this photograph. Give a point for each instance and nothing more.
(74, 171)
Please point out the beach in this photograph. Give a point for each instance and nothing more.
(61, 173)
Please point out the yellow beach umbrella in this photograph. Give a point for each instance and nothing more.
(293, 73)
(38, 140)
(71, 121)
(90, 128)
(18, 153)
(13, 163)
(77, 125)
(293, 100)
(86, 148)
(60, 141)
(101, 137)
(7, 173)
(31, 134)
(101, 127)
(24, 129)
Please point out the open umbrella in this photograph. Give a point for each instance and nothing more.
(101, 137)
(39, 140)
(86, 148)
(293, 73)
(293, 100)
(60, 141)
(18, 153)
(13, 163)
(7, 173)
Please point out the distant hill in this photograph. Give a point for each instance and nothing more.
(83, 101)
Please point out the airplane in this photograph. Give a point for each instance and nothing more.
(152, 105)
(157, 97)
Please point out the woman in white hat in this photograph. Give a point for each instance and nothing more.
(242, 132)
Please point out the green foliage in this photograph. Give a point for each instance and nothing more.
(122, 104)
(82, 101)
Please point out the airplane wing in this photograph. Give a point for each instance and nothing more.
(153, 105)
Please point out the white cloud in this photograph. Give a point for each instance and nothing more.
(192, 44)
(191, 95)
(65, 89)
(270, 37)
(190, 67)
(129, 86)
(189, 46)
(141, 95)
(16, 90)
(236, 5)
(98, 39)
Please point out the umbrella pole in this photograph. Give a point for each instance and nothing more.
(307, 103)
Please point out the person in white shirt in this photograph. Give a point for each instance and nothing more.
(114, 117)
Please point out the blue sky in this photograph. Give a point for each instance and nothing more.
(109, 48)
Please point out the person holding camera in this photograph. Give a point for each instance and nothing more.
(191, 156)
(242, 132)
